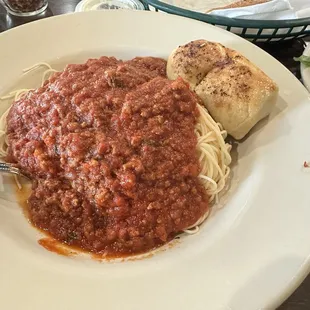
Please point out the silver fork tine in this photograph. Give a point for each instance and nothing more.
(8, 168)
(5, 167)
(4, 164)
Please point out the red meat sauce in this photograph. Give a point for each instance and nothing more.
(110, 147)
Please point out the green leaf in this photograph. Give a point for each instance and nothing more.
(303, 59)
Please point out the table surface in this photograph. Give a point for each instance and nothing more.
(284, 52)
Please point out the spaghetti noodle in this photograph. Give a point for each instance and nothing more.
(16, 95)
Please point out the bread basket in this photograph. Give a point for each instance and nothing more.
(253, 30)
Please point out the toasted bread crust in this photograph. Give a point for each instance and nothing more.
(235, 91)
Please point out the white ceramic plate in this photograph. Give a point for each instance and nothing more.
(305, 71)
(251, 254)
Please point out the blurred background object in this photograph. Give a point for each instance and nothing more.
(94, 5)
(25, 7)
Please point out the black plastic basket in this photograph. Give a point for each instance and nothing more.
(253, 30)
